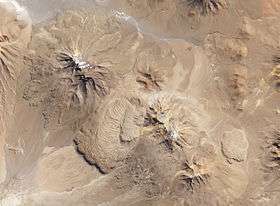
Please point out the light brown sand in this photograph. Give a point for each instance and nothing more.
(177, 108)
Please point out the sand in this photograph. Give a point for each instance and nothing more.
(135, 103)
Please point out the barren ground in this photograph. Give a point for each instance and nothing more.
(140, 102)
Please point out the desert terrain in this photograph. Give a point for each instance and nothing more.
(140, 103)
